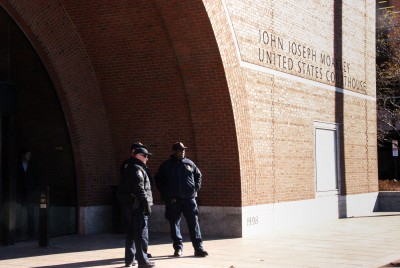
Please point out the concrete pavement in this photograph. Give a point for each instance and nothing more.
(372, 241)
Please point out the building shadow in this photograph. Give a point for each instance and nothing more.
(339, 103)
(82, 243)
(73, 243)
(118, 262)
(387, 202)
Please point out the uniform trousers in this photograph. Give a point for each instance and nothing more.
(173, 210)
(137, 237)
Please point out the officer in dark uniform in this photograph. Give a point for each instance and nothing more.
(178, 179)
(135, 195)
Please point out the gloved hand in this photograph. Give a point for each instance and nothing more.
(147, 210)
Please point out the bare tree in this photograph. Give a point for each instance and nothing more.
(388, 75)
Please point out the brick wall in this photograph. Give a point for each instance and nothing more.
(161, 71)
(39, 121)
(55, 40)
(284, 105)
(153, 86)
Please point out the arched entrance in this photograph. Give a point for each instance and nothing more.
(99, 72)
(37, 124)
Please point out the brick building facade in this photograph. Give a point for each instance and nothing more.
(275, 100)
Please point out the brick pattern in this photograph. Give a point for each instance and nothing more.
(282, 111)
(59, 46)
(39, 121)
(163, 93)
(161, 71)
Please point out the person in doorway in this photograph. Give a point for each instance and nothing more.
(178, 179)
(27, 183)
(134, 194)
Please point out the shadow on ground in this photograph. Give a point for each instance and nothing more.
(79, 243)
(72, 243)
(392, 264)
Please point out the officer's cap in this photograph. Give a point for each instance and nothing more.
(142, 150)
(137, 144)
(178, 146)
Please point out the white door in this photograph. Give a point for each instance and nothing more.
(326, 158)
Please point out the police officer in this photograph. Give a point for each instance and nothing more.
(178, 179)
(135, 195)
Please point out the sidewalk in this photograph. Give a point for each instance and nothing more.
(355, 242)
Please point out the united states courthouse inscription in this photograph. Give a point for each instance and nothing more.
(298, 38)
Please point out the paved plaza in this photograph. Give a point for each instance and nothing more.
(372, 241)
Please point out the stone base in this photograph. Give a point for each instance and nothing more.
(95, 219)
(214, 221)
(255, 220)
(271, 217)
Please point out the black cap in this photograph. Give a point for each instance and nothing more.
(142, 150)
(178, 146)
(137, 144)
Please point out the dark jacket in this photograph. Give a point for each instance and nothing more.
(178, 178)
(27, 181)
(134, 188)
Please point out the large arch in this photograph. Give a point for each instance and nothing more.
(57, 43)
(210, 76)
(198, 54)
